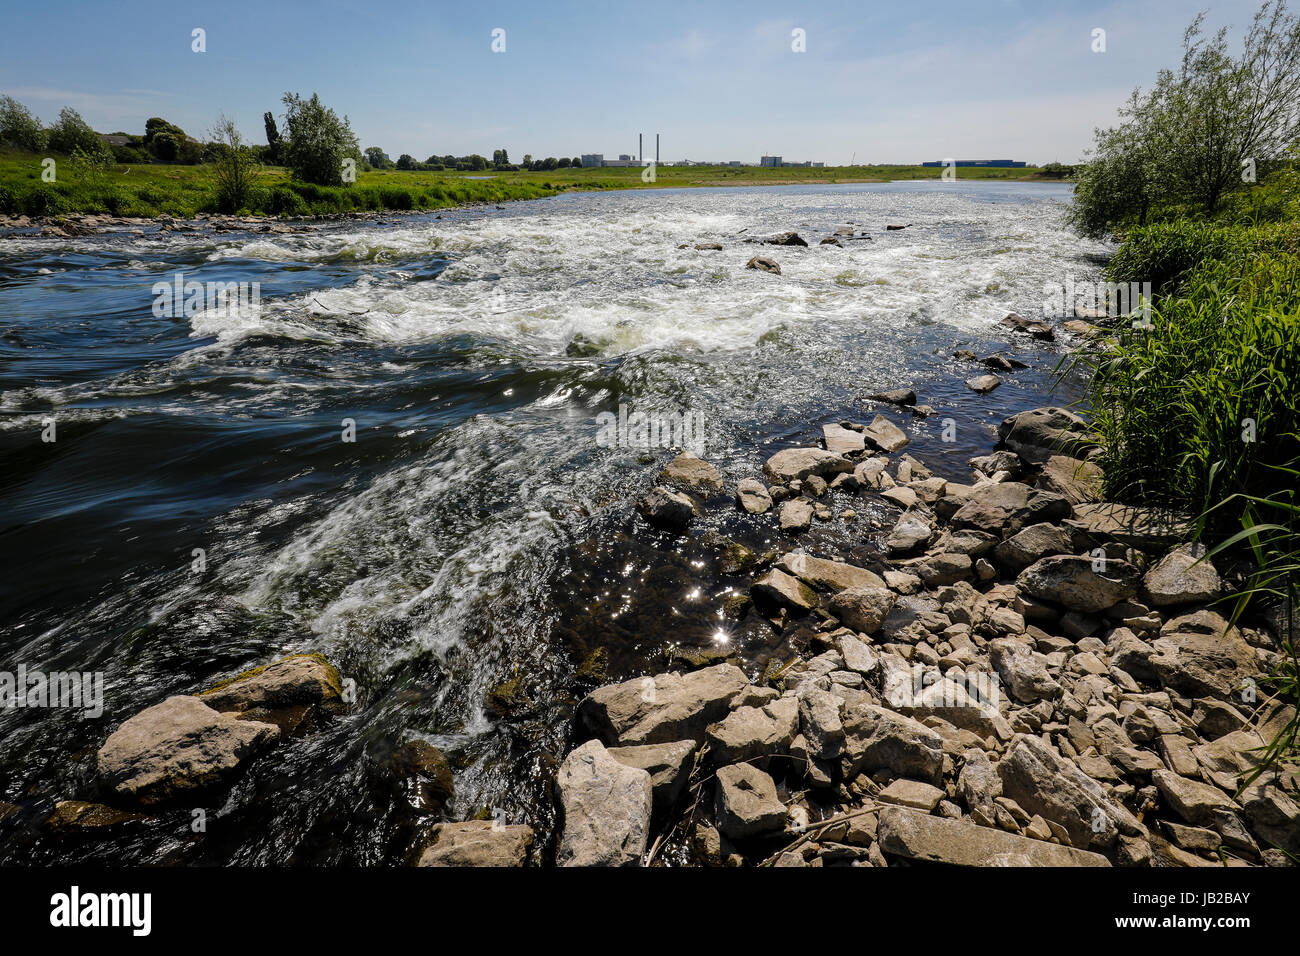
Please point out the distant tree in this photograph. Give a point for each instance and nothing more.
(156, 124)
(477, 162)
(406, 161)
(377, 158)
(528, 161)
(232, 167)
(71, 132)
(272, 138)
(551, 163)
(576, 162)
(317, 141)
(564, 162)
(19, 127)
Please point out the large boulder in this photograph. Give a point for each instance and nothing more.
(843, 441)
(1183, 576)
(1005, 507)
(801, 463)
(876, 739)
(477, 843)
(747, 803)
(692, 473)
(863, 608)
(885, 435)
(1041, 781)
(667, 509)
(1199, 655)
(784, 589)
(179, 749)
(1143, 528)
(669, 766)
(1074, 583)
(606, 807)
(919, 836)
(663, 708)
(1077, 480)
(1032, 544)
(828, 575)
(1040, 433)
(289, 693)
(750, 732)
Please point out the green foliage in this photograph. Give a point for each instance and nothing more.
(232, 167)
(19, 127)
(71, 133)
(317, 141)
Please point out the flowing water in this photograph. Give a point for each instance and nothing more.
(199, 510)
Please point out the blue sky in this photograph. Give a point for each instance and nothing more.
(880, 82)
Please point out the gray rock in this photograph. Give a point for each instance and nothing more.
(749, 732)
(858, 657)
(1071, 582)
(693, 473)
(1032, 544)
(662, 709)
(1043, 782)
(864, 609)
(978, 784)
(897, 396)
(765, 264)
(1040, 433)
(1023, 674)
(820, 724)
(1143, 528)
(477, 843)
(885, 435)
(784, 589)
(303, 679)
(876, 738)
(983, 383)
(913, 794)
(178, 749)
(1078, 481)
(799, 463)
(1007, 507)
(796, 514)
(667, 509)
(1199, 655)
(843, 441)
(918, 836)
(1183, 576)
(753, 496)
(939, 570)
(606, 807)
(828, 575)
(747, 803)
(669, 766)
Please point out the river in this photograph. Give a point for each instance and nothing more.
(200, 509)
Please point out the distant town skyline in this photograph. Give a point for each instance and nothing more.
(836, 84)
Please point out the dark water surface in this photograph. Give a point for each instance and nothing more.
(474, 530)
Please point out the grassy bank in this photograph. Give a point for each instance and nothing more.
(1200, 412)
(183, 191)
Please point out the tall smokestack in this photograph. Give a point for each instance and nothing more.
(656, 149)
(640, 148)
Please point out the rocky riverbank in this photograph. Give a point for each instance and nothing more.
(1033, 677)
(1010, 671)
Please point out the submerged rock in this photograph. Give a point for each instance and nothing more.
(667, 509)
(765, 264)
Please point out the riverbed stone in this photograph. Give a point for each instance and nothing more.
(885, 435)
(753, 496)
(1199, 655)
(877, 738)
(1038, 434)
(1073, 582)
(664, 708)
(864, 609)
(667, 509)
(477, 843)
(750, 732)
(692, 473)
(1022, 672)
(1075, 479)
(828, 575)
(747, 803)
(796, 514)
(178, 749)
(1146, 529)
(784, 589)
(764, 264)
(606, 808)
(669, 766)
(843, 441)
(798, 463)
(1183, 576)
(1032, 544)
(918, 836)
